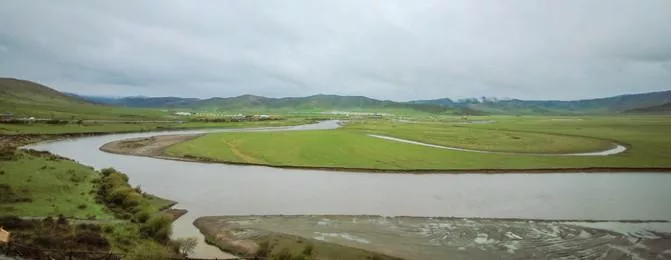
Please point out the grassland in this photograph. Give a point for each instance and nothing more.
(350, 147)
(50, 187)
(116, 127)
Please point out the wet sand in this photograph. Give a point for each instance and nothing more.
(456, 238)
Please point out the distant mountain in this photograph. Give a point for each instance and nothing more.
(257, 103)
(31, 98)
(587, 106)
(658, 109)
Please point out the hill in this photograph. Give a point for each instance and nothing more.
(659, 109)
(586, 106)
(23, 91)
(252, 103)
(23, 98)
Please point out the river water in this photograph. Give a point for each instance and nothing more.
(218, 189)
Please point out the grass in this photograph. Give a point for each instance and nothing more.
(53, 186)
(108, 127)
(296, 246)
(458, 135)
(351, 148)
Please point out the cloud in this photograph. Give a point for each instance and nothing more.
(386, 49)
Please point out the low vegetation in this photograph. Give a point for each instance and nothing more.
(350, 147)
(98, 212)
(287, 247)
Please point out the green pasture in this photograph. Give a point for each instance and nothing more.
(351, 147)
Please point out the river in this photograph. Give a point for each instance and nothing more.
(217, 189)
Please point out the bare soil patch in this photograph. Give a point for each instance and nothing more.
(149, 146)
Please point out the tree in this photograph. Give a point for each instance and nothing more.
(186, 246)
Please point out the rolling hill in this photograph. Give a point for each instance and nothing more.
(659, 109)
(607, 105)
(23, 91)
(23, 98)
(252, 103)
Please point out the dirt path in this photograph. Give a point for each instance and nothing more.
(247, 158)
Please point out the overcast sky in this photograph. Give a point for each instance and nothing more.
(386, 49)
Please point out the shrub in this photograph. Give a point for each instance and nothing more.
(264, 250)
(108, 229)
(89, 226)
(158, 227)
(308, 250)
(149, 251)
(285, 254)
(132, 200)
(82, 206)
(142, 216)
(15, 223)
(185, 246)
(62, 220)
(107, 171)
(118, 195)
(91, 238)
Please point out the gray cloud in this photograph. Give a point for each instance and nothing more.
(386, 49)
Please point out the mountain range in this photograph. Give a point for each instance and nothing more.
(14, 92)
(635, 103)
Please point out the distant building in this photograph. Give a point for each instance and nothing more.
(183, 113)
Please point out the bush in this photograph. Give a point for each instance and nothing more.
(158, 227)
(118, 195)
(149, 251)
(15, 223)
(107, 171)
(91, 238)
(142, 216)
(62, 220)
(82, 206)
(108, 229)
(132, 200)
(92, 227)
(285, 254)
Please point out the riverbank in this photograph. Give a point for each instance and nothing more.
(155, 147)
(436, 238)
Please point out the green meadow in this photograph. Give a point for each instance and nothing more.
(351, 147)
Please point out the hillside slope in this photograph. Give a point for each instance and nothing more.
(659, 109)
(23, 91)
(23, 98)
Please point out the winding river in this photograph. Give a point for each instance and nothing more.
(218, 189)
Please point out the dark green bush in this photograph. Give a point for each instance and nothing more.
(158, 227)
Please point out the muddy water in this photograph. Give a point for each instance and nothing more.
(217, 189)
